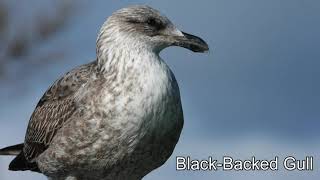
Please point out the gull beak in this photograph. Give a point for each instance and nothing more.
(191, 42)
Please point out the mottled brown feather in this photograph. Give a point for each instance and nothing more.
(54, 109)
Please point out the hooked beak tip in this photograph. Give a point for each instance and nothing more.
(193, 43)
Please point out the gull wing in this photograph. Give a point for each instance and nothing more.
(54, 109)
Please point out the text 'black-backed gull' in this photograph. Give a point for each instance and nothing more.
(118, 117)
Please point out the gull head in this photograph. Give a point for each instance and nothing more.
(141, 26)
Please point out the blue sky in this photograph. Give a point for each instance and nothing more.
(256, 93)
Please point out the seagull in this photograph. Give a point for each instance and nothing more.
(116, 118)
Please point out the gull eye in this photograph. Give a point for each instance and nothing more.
(156, 24)
(152, 22)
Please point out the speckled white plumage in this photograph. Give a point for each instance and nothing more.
(151, 108)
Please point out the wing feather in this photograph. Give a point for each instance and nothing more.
(54, 109)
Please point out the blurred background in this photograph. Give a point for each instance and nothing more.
(256, 93)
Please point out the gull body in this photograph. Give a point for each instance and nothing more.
(118, 117)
